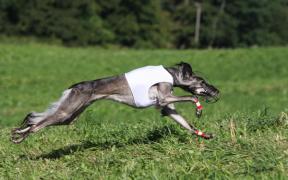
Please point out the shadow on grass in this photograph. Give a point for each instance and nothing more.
(151, 137)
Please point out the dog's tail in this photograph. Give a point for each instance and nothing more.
(33, 118)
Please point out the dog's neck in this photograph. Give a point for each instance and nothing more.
(175, 73)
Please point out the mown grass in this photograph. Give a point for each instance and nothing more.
(112, 141)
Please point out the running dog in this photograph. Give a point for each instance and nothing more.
(139, 88)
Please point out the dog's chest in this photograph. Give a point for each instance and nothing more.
(141, 80)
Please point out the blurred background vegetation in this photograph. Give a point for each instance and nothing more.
(110, 141)
(148, 23)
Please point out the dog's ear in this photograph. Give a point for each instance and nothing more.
(186, 69)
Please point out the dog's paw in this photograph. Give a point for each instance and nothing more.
(204, 135)
(198, 113)
(208, 136)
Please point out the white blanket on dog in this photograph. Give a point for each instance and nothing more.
(142, 79)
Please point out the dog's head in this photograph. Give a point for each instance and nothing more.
(190, 82)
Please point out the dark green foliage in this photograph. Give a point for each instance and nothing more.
(135, 23)
(148, 23)
(74, 22)
(258, 22)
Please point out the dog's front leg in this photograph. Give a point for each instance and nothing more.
(166, 97)
(170, 111)
(172, 99)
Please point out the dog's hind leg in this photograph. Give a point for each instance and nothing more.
(71, 104)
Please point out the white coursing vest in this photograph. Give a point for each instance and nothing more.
(142, 79)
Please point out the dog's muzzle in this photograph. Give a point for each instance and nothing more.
(212, 96)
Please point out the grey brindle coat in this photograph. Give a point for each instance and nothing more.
(76, 98)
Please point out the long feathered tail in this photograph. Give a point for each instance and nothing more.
(33, 118)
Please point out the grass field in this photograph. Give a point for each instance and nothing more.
(112, 141)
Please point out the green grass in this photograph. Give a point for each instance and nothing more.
(113, 141)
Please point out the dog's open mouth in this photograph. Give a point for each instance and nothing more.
(208, 98)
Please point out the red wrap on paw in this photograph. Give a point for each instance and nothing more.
(198, 105)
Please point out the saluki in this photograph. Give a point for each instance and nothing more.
(139, 88)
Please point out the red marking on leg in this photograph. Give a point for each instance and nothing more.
(203, 135)
(198, 105)
(199, 133)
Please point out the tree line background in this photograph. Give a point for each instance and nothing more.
(149, 23)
